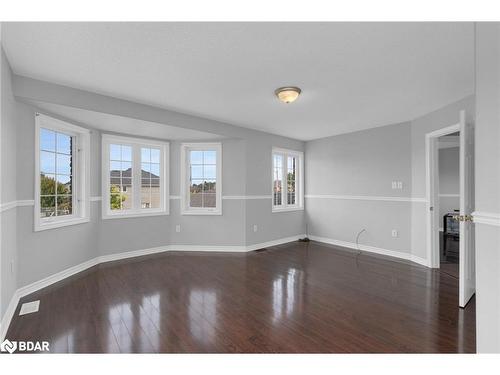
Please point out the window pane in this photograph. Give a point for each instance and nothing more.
(291, 176)
(126, 169)
(47, 162)
(155, 182)
(209, 157)
(155, 170)
(196, 157)
(115, 152)
(146, 169)
(115, 166)
(145, 155)
(145, 197)
(63, 143)
(47, 184)
(209, 200)
(155, 155)
(127, 197)
(63, 164)
(209, 187)
(115, 199)
(196, 193)
(64, 184)
(126, 153)
(47, 140)
(64, 205)
(196, 172)
(47, 206)
(209, 172)
(155, 199)
(126, 183)
(277, 179)
(195, 199)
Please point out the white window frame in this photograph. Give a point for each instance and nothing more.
(185, 179)
(81, 174)
(136, 144)
(299, 181)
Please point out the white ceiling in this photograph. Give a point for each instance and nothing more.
(353, 75)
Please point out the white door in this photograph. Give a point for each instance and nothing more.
(467, 246)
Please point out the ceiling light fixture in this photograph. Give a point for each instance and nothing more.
(288, 94)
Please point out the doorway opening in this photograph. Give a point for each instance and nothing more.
(450, 237)
(449, 202)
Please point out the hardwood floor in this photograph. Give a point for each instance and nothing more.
(298, 297)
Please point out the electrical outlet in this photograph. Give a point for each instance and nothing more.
(177, 228)
(395, 233)
(397, 185)
(255, 228)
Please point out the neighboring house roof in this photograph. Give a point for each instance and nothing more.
(115, 177)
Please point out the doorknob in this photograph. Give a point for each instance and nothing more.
(462, 217)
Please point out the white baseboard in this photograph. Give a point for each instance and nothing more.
(59, 276)
(373, 249)
(9, 313)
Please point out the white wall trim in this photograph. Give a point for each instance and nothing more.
(59, 276)
(247, 197)
(30, 202)
(9, 313)
(366, 198)
(449, 195)
(488, 218)
(7, 206)
(373, 249)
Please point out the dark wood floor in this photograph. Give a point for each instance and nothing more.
(297, 297)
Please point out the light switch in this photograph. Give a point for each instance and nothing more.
(178, 228)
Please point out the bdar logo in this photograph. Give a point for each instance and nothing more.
(8, 346)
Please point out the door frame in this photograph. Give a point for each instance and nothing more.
(432, 196)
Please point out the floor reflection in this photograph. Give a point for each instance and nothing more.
(202, 315)
(287, 293)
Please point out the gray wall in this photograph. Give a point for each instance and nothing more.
(360, 164)
(8, 238)
(449, 184)
(364, 164)
(487, 174)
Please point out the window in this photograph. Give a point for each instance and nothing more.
(287, 179)
(135, 177)
(201, 179)
(61, 180)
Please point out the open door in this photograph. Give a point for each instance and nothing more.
(467, 281)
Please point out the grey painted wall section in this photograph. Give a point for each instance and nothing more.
(8, 238)
(487, 174)
(361, 164)
(449, 171)
(364, 164)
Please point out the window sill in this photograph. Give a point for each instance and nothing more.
(135, 214)
(201, 212)
(39, 226)
(287, 209)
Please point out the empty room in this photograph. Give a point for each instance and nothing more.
(250, 187)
